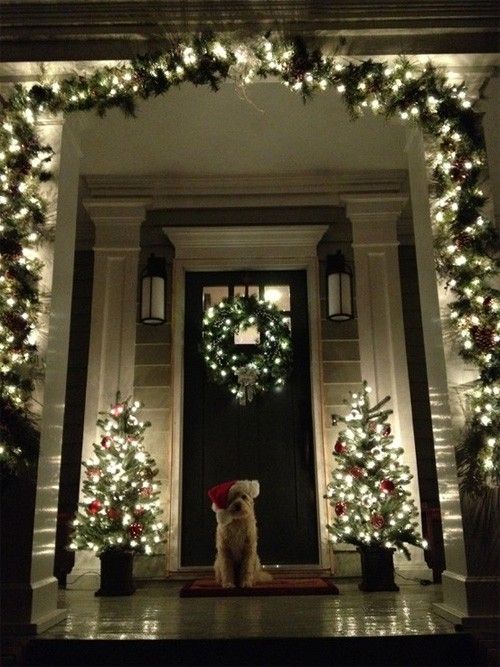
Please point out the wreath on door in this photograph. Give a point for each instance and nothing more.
(250, 368)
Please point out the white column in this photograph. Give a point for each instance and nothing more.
(490, 106)
(114, 307)
(380, 323)
(467, 600)
(29, 599)
(113, 319)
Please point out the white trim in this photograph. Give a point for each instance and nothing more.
(300, 257)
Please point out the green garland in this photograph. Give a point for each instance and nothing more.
(246, 373)
(465, 241)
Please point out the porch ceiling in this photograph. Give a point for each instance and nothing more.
(82, 29)
(262, 131)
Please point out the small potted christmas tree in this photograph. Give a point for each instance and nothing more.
(373, 510)
(119, 515)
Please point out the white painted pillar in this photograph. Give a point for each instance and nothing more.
(467, 600)
(113, 319)
(114, 307)
(490, 106)
(380, 324)
(29, 599)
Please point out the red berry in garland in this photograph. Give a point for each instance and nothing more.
(113, 513)
(386, 431)
(339, 447)
(106, 441)
(340, 508)
(387, 486)
(356, 472)
(377, 521)
(94, 507)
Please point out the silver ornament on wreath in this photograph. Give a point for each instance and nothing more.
(246, 369)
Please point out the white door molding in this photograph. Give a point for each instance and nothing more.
(248, 248)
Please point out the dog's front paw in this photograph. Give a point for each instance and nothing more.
(247, 583)
(228, 584)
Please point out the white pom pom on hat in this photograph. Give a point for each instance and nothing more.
(221, 494)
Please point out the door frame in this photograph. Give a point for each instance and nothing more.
(236, 248)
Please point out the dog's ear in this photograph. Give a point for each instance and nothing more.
(253, 488)
(249, 486)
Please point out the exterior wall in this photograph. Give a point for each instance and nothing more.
(152, 386)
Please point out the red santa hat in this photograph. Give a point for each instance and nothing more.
(220, 495)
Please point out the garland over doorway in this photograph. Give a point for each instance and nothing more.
(464, 239)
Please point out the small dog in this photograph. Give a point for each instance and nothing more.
(236, 562)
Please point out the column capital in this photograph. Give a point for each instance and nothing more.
(374, 217)
(117, 222)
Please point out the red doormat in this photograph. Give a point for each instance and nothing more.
(207, 588)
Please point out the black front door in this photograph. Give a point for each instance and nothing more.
(269, 439)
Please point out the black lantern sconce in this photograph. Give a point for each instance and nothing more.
(339, 293)
(153, 278)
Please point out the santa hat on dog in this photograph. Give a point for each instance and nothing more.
(222, 494)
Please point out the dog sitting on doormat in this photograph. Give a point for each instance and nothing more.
(236, 563)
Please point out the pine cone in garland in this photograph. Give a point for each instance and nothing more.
(483, 338)
(463, 241)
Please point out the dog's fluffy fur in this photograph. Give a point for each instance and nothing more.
(237, 562)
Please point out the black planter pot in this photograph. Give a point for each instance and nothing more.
(377, 569)
(117, 568)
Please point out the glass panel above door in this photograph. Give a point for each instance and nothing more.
(279, 295)
(212, 295)
(253, 290)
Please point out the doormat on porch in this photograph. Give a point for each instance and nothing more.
(205, 588)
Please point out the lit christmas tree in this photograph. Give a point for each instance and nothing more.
(372, 506)
(121, 507)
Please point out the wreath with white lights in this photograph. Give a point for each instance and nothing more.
(465, 240)
(247, 369)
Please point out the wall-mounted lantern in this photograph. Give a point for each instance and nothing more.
(339, 292)
(153, 279)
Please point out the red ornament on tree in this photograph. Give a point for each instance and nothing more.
(340, 508)
(387, 486)
(138, 512)
(377, 521)
(356, 471)
(135, 530)
(106, 441)
(117, 410)
(339, 447)
(372, 427)
(113, 513)
(94, 507)
(146, 491)
(387, 430)
(94, 471)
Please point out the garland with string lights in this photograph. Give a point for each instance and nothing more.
(246, 373)
(464, 239)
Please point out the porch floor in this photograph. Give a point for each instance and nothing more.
(156, 611)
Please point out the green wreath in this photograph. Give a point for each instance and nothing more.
(247, 369)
